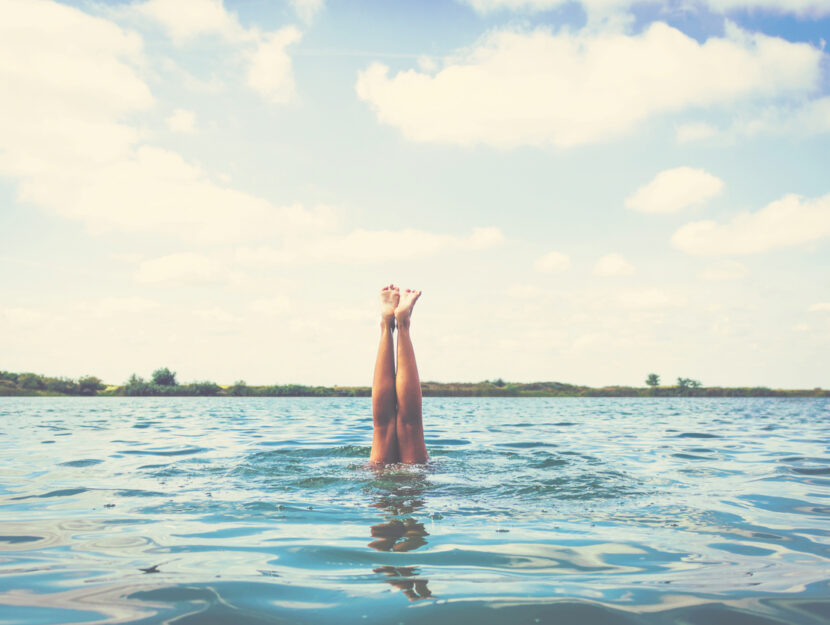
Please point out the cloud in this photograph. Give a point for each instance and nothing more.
(184, 20)
(182, 121)
(525, 291)
(536, 88)
(118, 306)
(22, 317)
(612, 265)
(489, 6)
(155, 190)
(803, 119)
(65, 141)
(820, 307)
(552, 262)
(673, 190)
(276, 305)
(216, 315)
(269, 72)
(371, 246)
(698, 131)
(307, 10)
(790, 221)
(722, 271)
(798, 7)
(57, 116)
(649, 299)
(185, 269)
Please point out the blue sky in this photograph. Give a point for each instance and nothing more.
(584, 192)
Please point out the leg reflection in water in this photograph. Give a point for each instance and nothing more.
(401, 532)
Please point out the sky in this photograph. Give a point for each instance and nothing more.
(584, 192)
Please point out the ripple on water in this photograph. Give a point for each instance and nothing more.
(162, 451)
(85, 462)
(255, 510)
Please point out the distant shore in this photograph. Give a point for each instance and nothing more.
(35, 385)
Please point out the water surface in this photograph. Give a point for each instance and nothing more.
(265, 510)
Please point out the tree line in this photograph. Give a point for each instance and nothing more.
(163, 382)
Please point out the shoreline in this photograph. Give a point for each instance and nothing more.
(429, 389)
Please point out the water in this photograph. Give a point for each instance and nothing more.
(249, 511)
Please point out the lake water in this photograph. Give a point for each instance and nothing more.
(248, 511)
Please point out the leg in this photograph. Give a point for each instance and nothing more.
(408, 386)
(384, 402)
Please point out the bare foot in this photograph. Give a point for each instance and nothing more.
(389, 298)
(404, 308)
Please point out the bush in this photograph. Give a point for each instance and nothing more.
(164, 377)
(90, 385)
(137, 386)
(240, 389)
(66, 386)
(31, 382)
(202, 388)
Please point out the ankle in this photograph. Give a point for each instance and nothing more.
(387, 323)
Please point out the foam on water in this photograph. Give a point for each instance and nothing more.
(245, 510)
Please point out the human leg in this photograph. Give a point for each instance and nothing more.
(384, 400)
(408, 386)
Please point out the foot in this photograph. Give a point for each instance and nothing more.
(389, 298)
(404, 309)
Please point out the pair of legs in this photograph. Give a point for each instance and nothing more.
(396, 396)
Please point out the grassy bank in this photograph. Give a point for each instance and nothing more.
(163, 384)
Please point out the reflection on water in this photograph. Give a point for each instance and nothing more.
(247, 511)
(401, 531)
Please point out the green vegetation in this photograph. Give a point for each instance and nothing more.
(163, 383)
(164, 377)
(33, 384)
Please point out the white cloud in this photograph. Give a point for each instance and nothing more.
(804, 119)
(65, 141)
(185, 20)
(182, 269)
(649, 299)
(552, 262)
(157, 191)
(612, 265)
(488, 6)
(269, 72)
(182, 120)
(698, 131)
(216, 315)
(675, 189)
(307, 10)
(111, 306)
(820, 307)
(22, 317)
(56, 114)
(522, 291)
(536, 88)
(724, 270)
(799, 7)
(792, 220)
(371, 246)
(276, 305)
